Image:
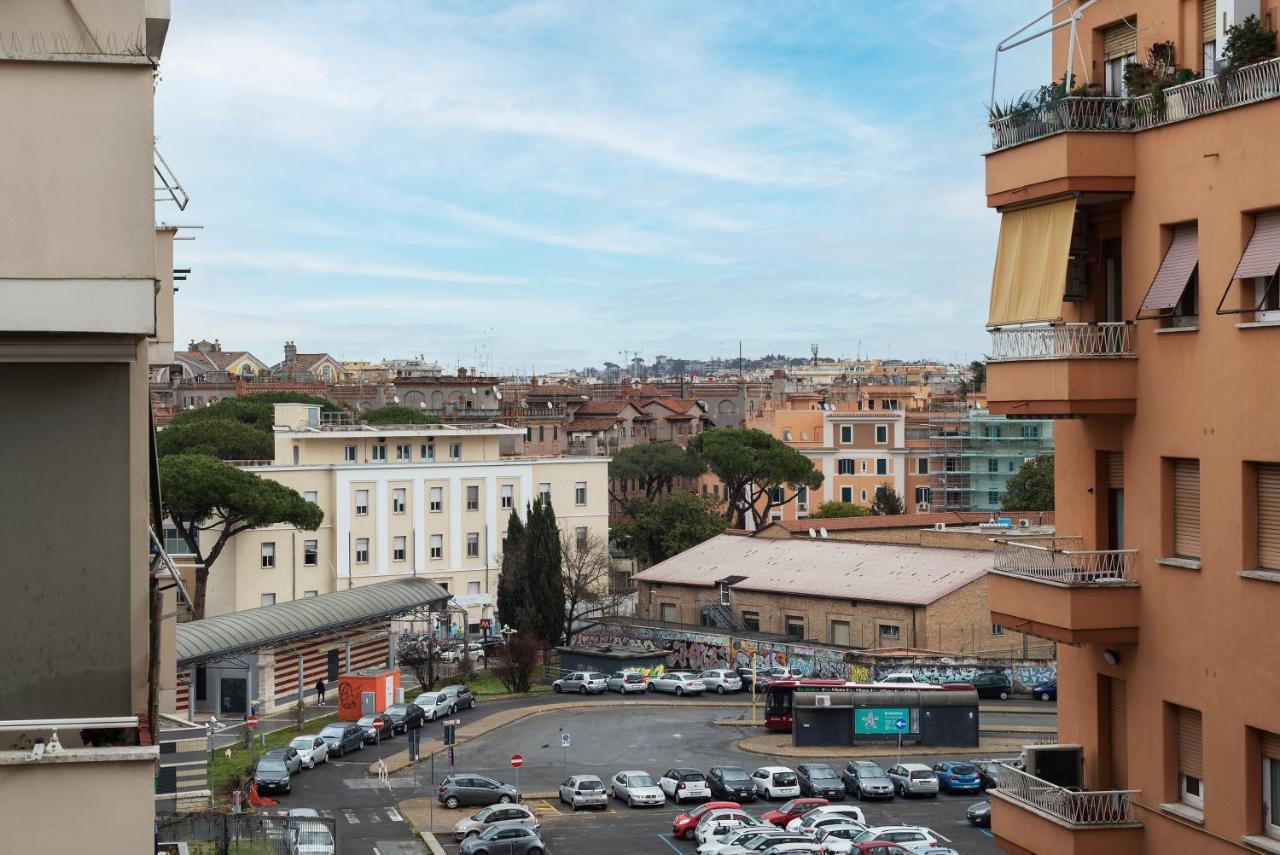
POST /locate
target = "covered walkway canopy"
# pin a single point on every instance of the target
(211, 639)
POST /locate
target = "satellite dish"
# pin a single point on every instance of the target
(822, 531)
(473, 390)
(497, 395)
(395, 399)
(812, 533)
(422, 405)
(548, 405)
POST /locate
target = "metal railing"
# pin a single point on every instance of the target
(1047, 560)
(1086, 808)
(1062, 341)
(1248, 85)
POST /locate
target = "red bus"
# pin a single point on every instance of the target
(779, 694)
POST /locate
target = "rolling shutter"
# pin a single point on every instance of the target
(1269, 516)
(1209, 20)
(1186, 508)
(1175, 270)
(1262, 256)
(1190, 745)
(1119, 734)
(1271, 745)
(1115, 470)
(1120, 40)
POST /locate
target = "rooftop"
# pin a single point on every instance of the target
(1037, 519)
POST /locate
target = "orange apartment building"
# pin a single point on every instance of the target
(1135, 298)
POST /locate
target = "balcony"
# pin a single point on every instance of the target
(1055, 590)
(1062, 370)
(1032, 815)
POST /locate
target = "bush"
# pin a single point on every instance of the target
(516, 661)
(1248, 42)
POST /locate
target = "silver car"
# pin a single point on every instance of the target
(914, 779)
(627, 682)
(678, 682)
(721, 680)
(582, 682)
(312, 749)
(485, 817)
(584, 791)
(637, 788)
(504, 839)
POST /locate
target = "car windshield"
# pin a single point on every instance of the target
(492, 831)
(270, 766)
(595, 676)
(871, 772)
(397, 709)
(921, 774)
(315, 838)
(690, 776)
(640, 781)
(333, 730)
(589, 785)
(365, 721)
(632, 678)
(821, 773)
(735, 775)
(963, 770)
(302, 743)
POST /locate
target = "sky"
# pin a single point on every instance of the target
(533, 186)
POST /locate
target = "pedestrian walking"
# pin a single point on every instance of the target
(320, 691)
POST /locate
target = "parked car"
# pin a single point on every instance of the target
(343, 737)
(460, 698)
(913, 779)
(957, 777)
(583, 791)
(764, 676)
(504, 840)
(373, 734)
(838, 838)
(626, 682)
(404, 718)
(776, 782)
(866, 780)
(582, 682)
(271, 775)
(813, 826)
(288, 755)
(637, 788)
(873, 847)
(738, 839)
(681, 785)
(992, 684)
(312, 749)
(485, 817)
(721, 680)
(677, 682)
(434, 705)
(819, 779)
(909, 837)
(819, 815)
(312, 838)
(454, 654)
(791, 848)
(793, 809)
(731, 782)
(1047, 691)
(471, 789)
(719, 824)
(683, 824)
(300, 816)
(754, 841)
(979, 814)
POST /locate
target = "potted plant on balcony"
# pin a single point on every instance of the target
(1248, 43)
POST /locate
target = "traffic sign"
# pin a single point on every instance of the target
(449, 734)
(484, 624)
(900, 725)
(516, 761)
(252, 722)
(377, 724)
(564, 740)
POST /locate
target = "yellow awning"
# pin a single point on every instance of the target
(1031, 264)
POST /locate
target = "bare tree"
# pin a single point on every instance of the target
(516, 662)
(584, 564)
(418, 654)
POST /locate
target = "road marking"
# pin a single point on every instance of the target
(674, 848)
(988, 833)
(394, 814)
(373, 817)
(350, 817)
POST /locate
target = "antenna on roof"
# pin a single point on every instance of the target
(823, 531)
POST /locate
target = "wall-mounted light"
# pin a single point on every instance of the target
(1111, 656)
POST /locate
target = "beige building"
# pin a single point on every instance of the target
(87, 294)
(407, 500)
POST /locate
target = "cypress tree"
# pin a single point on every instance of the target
(544, 607)
(511, 584)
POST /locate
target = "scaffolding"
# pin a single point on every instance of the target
(974, 453)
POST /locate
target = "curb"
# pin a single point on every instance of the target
(432, 844)
(851, 752)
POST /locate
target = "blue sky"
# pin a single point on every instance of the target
(559, 181)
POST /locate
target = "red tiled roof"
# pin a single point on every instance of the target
(913, 520)
(602, 407)
(601, 423)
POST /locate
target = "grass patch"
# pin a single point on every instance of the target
(241, 760)
(486, 685)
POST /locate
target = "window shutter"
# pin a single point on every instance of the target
(1186, 508)
(1269, 516)
(1209, 20)
(1271, 745)
(1190, 746)
(1115, 470)
(1120, 40)
(1119, 734)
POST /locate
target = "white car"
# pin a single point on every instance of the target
(434, 704)
(682, 784)
(312, 750)
(627, 682)
(677, 682)
(637, 787)
(734, 840)
(715, 827)
(311, 838)
(904, 679)
(749, 845)
(847, 813)
(837, 838)
(913, 837)
(721, 680)
(776, 782)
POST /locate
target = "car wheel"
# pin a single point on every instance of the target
(504, 799)
(341, 751)
(652, 688)
(630, 803)
(556, 688)
(1004, 696)
(679, 691)
(582, 690)
(451, 803)
(472, 705)
(1044, 696)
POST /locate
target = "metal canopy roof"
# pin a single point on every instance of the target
(243, 632)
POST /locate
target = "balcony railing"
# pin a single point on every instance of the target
(1248, 85)
(1047, 560)
(1091, 808)
(1062, 341)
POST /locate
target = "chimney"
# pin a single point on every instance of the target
(191, 345)
(462, 372)
(217, 346)
(290, 351)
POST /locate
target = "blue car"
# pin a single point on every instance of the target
(1046, 691)
(957, 777)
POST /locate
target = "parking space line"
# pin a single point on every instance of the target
(674, 848)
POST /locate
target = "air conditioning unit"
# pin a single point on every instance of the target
(1062, 765)
(822, 700)
(939, 526)
(1024, 523)
(922, 507)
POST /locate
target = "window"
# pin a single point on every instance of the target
(473, 544)
(1208, 37)
(268, 555)
(846, 434)
(455, 451)
(1013, 466)
(437, 546)
(1186, 509)
(1271, 784)
(1115, 75)
(786, 436)
(398, 500)
(1119, 48)
(993, 497)
(542, 433)
(473, 497)
(311, 496)
(1266, 298)
(310, 553)
(528, 434)
(1186, 313)
(398, 545)
(776, 495)
(427, 451)
(1268, 476)
(437, 499)
(362, 550)
(362, 502)
(889, 632)
(508, 496)
(1030, 431)
(923, 494)
(669, 613)
(795, 626)
(379, 453)
(863, 465)
(882, 466)
(844, 466)
(802, 498)
(404, 452)
(997, 629)
(846, 494)
(544, 493)
(473, 587)
(580, 538)
(1209, 57)
(993, 465)
(751, 621)
(307, 594)
(580, 493)
(882, 434)
(268, 599)
(864, 495)
(840, 632)
(922, 466)
(349, 454)
(1190, 757)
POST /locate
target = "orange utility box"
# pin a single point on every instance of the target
(366, 692)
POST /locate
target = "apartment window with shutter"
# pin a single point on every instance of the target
(398, 547)
(840, 632)
(1209, 36)
(268, 555)
(508, 493)
(844, 466)
(437, 499)
(544, 493)
(922, 466)
(882, 466)
(580, 493)
(922, 494)
(795, 626)
(1190, 741)
(473, 497)
(802, 498)
(473, 544)
(1186, 509)
(404, 451)
(1270, 784)
(846, 494)
(362, 502)
(846, 434)
(882, 434)
(993, 465)
(398, 500)
(362, 550)
(310, 553)
(1269, 518)
(268, 599)
(437, 546)
(427, 451)
(455, 451)
(997, 629)
(1119, 48)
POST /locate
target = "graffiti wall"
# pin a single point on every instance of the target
(1024, 675)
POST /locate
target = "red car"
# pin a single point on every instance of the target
(684, 824)
(783, 814)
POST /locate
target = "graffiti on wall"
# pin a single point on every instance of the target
(1023, 675)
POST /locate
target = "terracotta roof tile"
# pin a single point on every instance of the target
(912, 520)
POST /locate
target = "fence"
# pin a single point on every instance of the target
(1068, 566)
(211, 833)
(1094, 808)
(1062, 341)
(1033, 122)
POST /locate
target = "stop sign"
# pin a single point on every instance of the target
(516, 761)
(252, 722)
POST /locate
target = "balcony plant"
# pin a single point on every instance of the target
(1152, 77)
(1247, 43)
